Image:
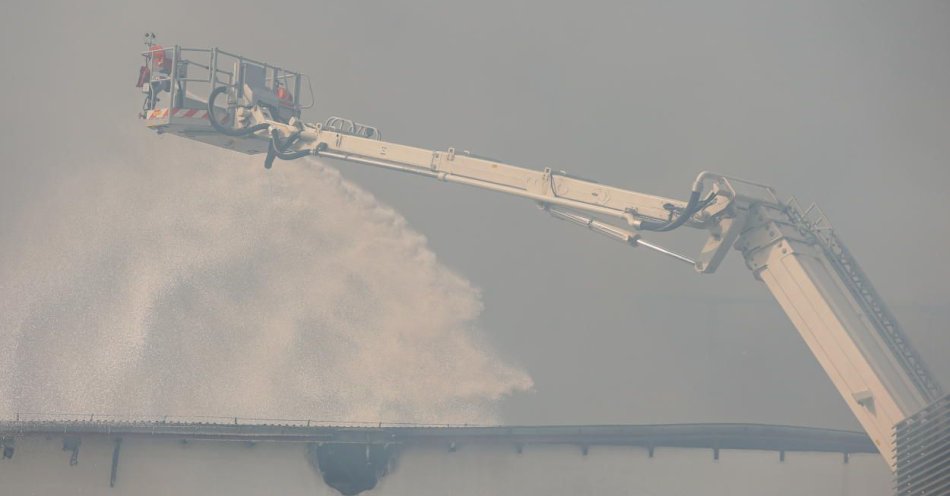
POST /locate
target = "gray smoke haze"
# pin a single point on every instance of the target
(844, 103)
(195, 285)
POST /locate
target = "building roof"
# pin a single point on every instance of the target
(713, 436)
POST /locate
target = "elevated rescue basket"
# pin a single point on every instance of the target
(177, 83)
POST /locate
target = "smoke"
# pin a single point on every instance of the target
(187, 281)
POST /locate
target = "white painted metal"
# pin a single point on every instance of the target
(865, 368)
(841, 337)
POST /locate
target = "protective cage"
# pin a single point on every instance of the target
(923, 452)
(176, 82)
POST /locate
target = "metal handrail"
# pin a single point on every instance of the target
(220, 61)
(245, 59)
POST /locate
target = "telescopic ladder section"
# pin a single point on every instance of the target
(840, 316)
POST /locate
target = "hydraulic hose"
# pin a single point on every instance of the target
(692, 206)
(226, 130)
(276, 149)
(294, 136)
(280, 147)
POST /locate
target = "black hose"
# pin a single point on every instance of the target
(276, 149)
(692, 206)
(226, 130)
(280, 147)
(271, 155)
(294, 136)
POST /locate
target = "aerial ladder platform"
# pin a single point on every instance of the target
(252, 107)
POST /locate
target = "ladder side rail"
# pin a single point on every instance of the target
(858, 283)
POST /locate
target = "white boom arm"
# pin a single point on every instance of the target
(795, 253)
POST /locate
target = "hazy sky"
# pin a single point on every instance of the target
(844, 103)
